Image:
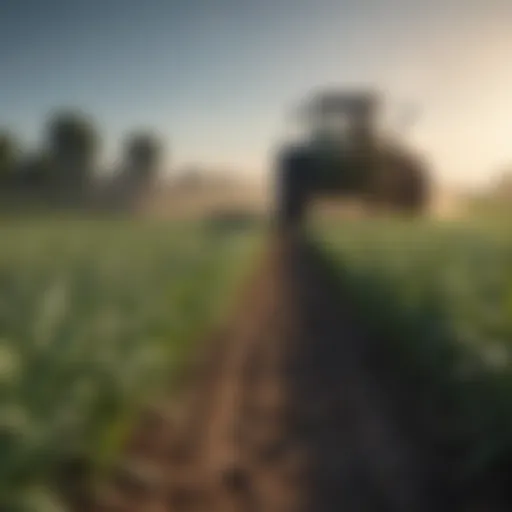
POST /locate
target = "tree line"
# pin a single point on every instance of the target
(65, 168)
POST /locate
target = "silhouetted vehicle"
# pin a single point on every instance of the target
(347, 153)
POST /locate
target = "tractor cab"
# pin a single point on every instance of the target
(347, 152)
(341, 119)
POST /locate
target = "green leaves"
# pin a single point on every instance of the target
(94, 317)
(442, 293)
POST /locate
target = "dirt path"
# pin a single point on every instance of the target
(293, 410)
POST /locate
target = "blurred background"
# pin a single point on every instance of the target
(126, 126)
(207, 88)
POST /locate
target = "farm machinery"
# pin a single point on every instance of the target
(347, 153)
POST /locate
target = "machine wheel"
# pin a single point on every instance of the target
(292, 192)
(401, 185)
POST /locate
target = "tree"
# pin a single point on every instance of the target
(36, 171)
(143, 154)
(9, 153)
(73, 144)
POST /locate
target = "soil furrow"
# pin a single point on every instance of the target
(291, 413)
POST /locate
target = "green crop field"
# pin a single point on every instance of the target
(441, 295)
(94, 317)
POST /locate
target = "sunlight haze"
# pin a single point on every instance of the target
(216, 78)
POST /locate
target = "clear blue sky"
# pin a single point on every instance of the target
(214, 77)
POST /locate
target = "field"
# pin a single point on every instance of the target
(440, 294)
(366, 364)
(95, 317)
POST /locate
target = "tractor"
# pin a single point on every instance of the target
(347, 153)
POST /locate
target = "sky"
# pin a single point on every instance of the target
(217, 78)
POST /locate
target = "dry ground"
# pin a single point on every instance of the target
(293, 408)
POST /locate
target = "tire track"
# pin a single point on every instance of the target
(289, 413)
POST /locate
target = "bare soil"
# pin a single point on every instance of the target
(293, 408)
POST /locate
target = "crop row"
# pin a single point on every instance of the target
(94, 318)
(441, 296)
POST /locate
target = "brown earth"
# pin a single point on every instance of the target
(293, 408)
